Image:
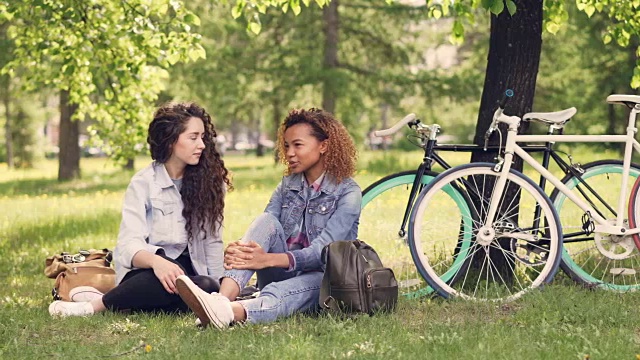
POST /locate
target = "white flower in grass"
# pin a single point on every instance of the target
(125, 327)
(366, 347)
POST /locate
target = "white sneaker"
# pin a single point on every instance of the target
(84, 294)
(209, 308)
(67, 308)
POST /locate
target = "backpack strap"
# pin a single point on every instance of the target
(331, 304)
(325, 298)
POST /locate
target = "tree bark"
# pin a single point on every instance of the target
(277, 118)
(514, 57)
(384, 116)
(7, 126)
(129, 165)
(259, 146)
(513, 60)
(331, 25)
(69, 156)
(611, 123)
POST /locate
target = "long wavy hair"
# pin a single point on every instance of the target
(203, 185)
(341, 156)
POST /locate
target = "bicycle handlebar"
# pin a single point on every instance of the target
(508, 94)
(395, 128)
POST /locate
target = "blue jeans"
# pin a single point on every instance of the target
(282, 293)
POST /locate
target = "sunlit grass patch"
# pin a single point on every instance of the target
(558, 322)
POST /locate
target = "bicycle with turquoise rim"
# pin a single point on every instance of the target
(597, 218)
(388, 203)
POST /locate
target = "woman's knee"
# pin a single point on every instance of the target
(264, 229)
(268, 221)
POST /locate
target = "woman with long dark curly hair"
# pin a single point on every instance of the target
(316, 203)
(171, 220)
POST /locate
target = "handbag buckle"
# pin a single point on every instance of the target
(54, 293)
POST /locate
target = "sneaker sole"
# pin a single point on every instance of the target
(84, 293)
(52, 309)
(187, 291)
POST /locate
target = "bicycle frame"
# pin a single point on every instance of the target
(431, 145)
(512, 147)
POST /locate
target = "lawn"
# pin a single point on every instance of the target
(40, 216)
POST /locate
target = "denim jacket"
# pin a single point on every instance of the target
(331, 214)
(152, 220)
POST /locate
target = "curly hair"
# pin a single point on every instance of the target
(204, 184)
(341, 156)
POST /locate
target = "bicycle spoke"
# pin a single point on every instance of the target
(487, 266)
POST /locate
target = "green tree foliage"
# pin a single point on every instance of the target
(247, 77)
(624, 27)
(578, 69)
(23, 131)
(110, 56)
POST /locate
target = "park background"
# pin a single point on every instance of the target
(79, 84)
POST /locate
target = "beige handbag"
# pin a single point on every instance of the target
(86, 268)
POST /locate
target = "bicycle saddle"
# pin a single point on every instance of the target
(557, 118)
(629, 100)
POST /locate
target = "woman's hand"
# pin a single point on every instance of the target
(166, 272)
(245, 256)
(236, 254)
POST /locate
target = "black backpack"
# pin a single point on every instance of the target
(355, 279)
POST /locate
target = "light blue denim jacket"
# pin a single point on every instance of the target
(331, 214)
(152, 219)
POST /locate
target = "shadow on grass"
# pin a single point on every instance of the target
(267, 176)
(25, 243)
(86, 185)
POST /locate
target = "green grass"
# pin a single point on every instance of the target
(40, 216)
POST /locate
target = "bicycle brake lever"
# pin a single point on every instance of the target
(414, 123)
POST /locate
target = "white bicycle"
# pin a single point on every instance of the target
(508, 238)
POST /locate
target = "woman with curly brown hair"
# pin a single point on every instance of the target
(316, 203)
(171, 220)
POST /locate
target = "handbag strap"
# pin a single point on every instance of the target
(331, 304)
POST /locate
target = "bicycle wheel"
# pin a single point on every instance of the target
(383, 206)
(633, 211)
(461, 256)
(589, 258)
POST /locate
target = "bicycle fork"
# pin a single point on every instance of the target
(486, 233)
(416, 187)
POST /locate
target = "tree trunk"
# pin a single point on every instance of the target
(514, 56)
(69, 156)
(259, 146)
(330, 28)
(277, 115)
(7, 125)
(384, 116)
(235, 130)
(611, 124)
(129, 165)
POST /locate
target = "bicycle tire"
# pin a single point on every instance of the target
(383, 206)
(633, 211)
(592, 259)
(439, 237)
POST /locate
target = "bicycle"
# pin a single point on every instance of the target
(390, 194)
(494, 222)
